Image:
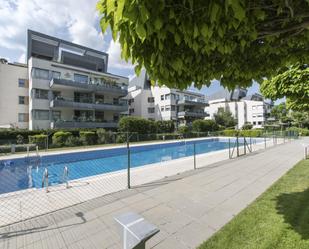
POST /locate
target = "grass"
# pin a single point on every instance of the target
(279, 218)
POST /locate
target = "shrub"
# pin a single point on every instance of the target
(251, 133)
(229, 133)
(72, 141)
(39, 140)
(165, 126)
(59, 138)
(204, 125)
(105, 137)
(247, 126)
(20, 139)
(88, 137)
(183, 129)
(136, 124)
(300, 131)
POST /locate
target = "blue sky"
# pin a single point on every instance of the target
(72, 20)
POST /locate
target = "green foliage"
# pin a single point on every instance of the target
(300, 131)
(88, 137)
(59, 138)
(247, 126)
(292, 84)
(235, 41)
(20, 139)
(165, 126)
(105, 137)
(225, 118)
(230, 133)
(204, 125)
(39, 140)
(72, 141)
(183, 130)
(242, 133)
(138, 125)
(300, 119)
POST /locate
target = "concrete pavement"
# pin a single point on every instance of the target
(188, 208)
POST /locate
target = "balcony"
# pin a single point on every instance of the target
(192, 102)
(192, 114)
(91, 87)
(83, 124)
(70, 103)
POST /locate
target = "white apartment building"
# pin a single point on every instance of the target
(69, 87)
(245, 108)
(14, 99)
(163, 103)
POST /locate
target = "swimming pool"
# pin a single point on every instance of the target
(24, 173)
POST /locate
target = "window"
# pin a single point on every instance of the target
(254, 123)
(173, 108)
(55, 75)
(23, 117)
(151, 110)
(40, 94)
(81, 78)
(131, 101)
(116, 101)
(56, 95)
(39, 73)
(56, 115)
(260, 122)
(116, 118)
(131, 110)
(21, 100)
(150, 99)
(22, 82)
(167, 108)
(41, 115)
(99, 116)
(167, 97)
(162, 97)
(162, 108)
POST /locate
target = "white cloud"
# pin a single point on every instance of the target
(114, 59)
(72, 20)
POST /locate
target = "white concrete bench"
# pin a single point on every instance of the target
(135, 230)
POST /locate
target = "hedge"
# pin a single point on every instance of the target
(204, 125)
(59, 138)
(300, 131)
(88, 137)
(39, 140)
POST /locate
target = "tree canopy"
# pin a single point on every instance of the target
(185, 41)
(225, 118)
(293, 84)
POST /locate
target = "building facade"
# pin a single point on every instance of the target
(14, 99)
(69, 86)
(252, 109)
(163, 103)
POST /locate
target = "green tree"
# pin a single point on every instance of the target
(225, 118)
(280, 112)
(136, 124)
(165, 126)
(292, 84)
(180, 42)
(204, 125)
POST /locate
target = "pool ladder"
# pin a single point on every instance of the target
(65, 178)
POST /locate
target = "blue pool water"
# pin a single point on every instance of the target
(21, 174)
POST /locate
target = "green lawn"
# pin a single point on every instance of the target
(277, 219)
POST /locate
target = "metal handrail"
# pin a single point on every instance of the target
(45, 179)
(65, 176)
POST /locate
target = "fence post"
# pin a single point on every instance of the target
(264, 141)
(251, 144)
(129, 160)
(194, 155)
(245, 151)
(229, 148)
(237, 145)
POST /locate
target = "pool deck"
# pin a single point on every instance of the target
(188, 208)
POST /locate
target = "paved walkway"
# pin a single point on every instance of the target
(188, 208)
